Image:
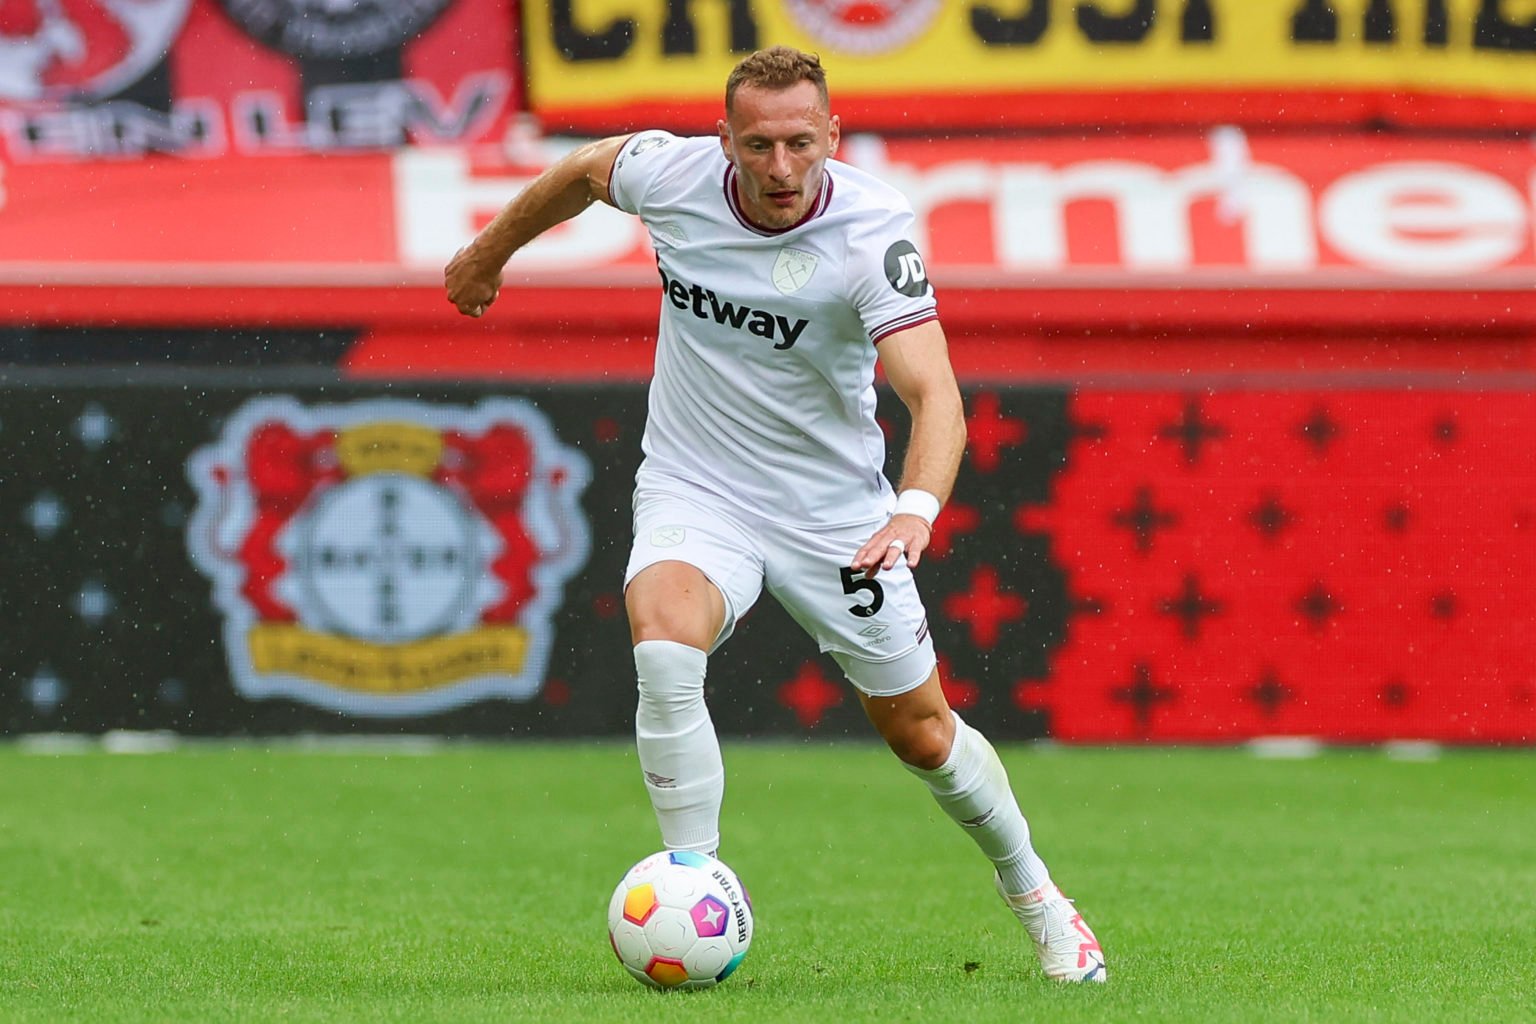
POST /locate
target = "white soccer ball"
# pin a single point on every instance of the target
(680, 919)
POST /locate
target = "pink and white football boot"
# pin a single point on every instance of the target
(1063, 941)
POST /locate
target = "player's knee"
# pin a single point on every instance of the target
(923, 742)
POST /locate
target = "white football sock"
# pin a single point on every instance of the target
(679, 753)
(972, 787)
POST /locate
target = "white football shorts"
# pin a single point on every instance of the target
(875, 629)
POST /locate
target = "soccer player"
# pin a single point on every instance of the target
(784, 276)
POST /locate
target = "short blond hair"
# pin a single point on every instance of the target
(777, 67)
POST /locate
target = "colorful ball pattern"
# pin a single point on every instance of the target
(680, 919)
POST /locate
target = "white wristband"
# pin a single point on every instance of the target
(913, 502)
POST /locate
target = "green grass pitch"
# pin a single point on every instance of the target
(215, 884)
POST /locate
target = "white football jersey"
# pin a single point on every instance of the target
(764, 385)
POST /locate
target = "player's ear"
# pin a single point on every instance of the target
(834, 134)
(724, 129)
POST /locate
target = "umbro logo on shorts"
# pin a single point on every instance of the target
(706, 305)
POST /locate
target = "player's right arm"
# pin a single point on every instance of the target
(473, 277)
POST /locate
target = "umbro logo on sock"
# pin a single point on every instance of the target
(660, 781)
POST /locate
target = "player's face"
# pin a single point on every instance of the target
(779, 140)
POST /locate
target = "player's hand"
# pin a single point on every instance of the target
(905, 536)
(472, 282)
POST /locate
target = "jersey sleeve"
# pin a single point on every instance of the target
(888, 281)
(640, 165)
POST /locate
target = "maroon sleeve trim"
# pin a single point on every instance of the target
(891, 327)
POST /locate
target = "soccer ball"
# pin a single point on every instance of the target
(680, 919)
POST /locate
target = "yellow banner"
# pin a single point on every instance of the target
(586, 54)
(387, 668)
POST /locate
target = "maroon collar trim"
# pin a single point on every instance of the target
(823, 200)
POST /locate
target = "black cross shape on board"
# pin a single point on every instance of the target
(1191, 606)
(1394, 693)
(1143, 695)
(1143, 518)
(1318, 605)
(1319, 430)
(1192, 430)
(1269, 692)
(1271, 518)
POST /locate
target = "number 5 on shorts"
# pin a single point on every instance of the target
(855, 581)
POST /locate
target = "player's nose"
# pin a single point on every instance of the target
(779, 165)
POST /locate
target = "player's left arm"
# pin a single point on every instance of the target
(916, 362)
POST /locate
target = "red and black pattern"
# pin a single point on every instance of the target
(1353, 566)
(1210, 567)
(1164, 565)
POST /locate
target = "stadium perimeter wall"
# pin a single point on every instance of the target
(278, 547)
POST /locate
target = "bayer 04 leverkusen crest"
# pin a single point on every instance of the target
(384, 557)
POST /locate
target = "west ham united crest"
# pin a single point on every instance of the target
(792, 270)
(388, 558)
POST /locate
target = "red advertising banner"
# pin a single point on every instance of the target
(104, 78)
(1310, 223)
(1353, 565)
